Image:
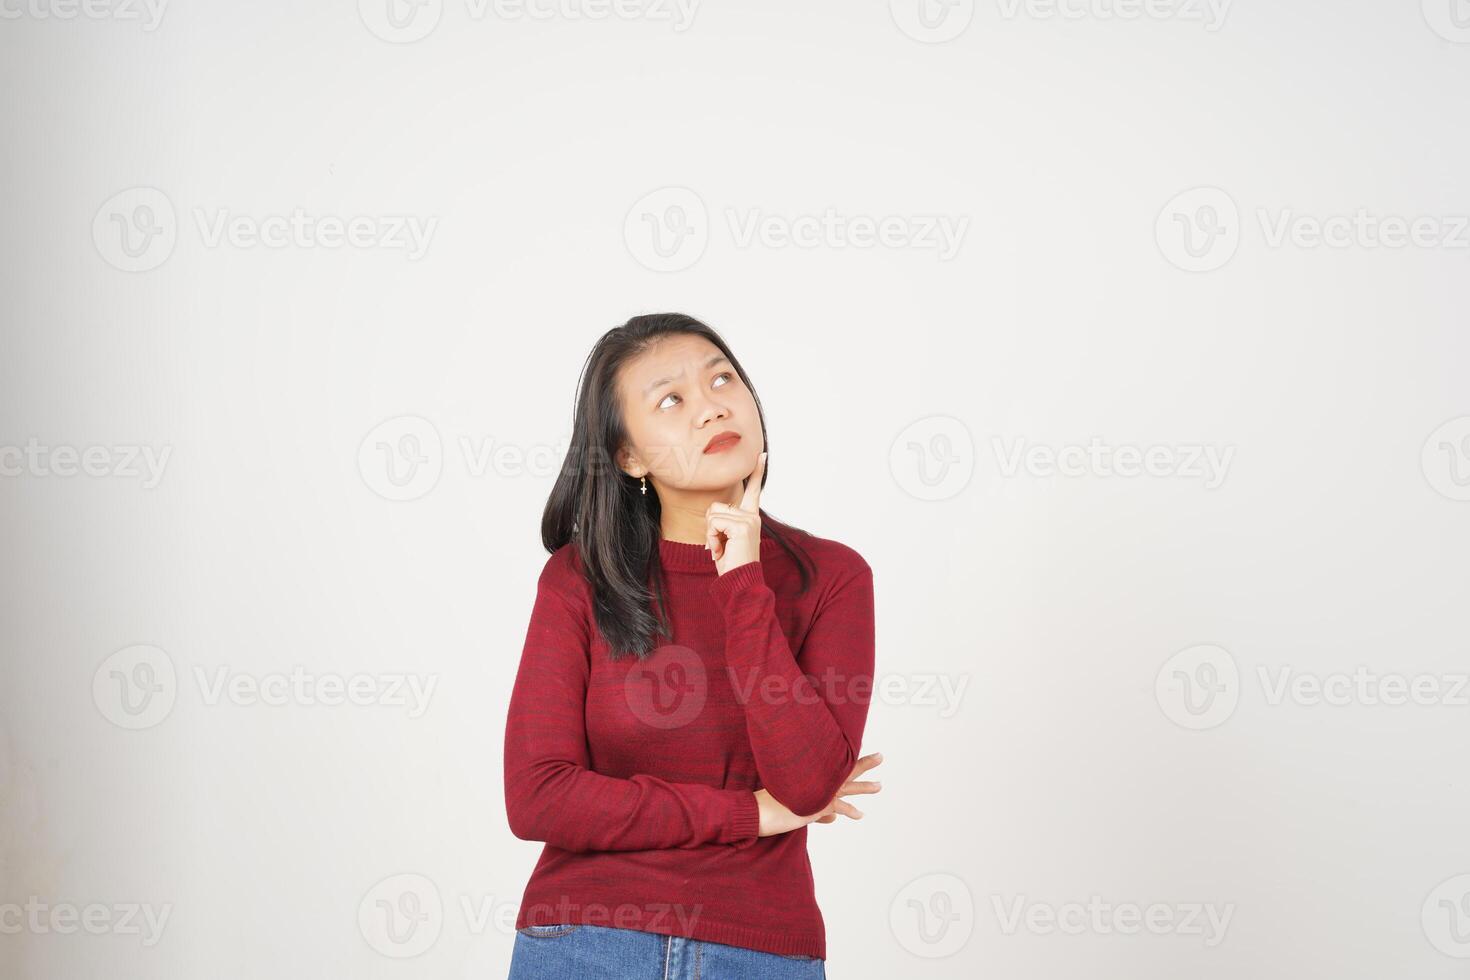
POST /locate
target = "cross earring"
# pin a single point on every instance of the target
(645, 484)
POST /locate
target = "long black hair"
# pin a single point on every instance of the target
(601, 508)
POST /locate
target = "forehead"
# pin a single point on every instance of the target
(670, 357)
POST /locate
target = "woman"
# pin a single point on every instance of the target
(693, 688)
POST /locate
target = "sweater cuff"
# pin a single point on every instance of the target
(745, 824)
(737, 579)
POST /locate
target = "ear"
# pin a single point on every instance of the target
(626, 462)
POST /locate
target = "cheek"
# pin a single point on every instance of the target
(668, 451)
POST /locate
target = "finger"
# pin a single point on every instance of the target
(720, 507)
(741, 526)
(751, 499)
(865, 763)
(848, 810)
(829, 818)
(731, 518)
(849, 788)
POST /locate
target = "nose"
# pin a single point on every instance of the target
(711, 410)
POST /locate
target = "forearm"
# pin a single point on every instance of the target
(576, 809)
(805, 737)
(551, 792)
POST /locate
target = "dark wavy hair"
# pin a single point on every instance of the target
(601, 508)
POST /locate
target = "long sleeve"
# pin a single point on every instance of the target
(550, 793)
(806, 738)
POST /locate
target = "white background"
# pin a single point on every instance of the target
(1070, 767)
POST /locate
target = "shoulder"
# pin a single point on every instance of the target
(562, 574)
(837, 563)
(832, 555)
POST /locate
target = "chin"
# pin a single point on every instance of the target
(731, 459)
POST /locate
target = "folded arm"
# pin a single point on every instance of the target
(552, 795)
(806, 737)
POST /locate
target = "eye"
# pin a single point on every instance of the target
(722, 374)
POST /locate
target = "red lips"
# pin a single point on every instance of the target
(722, 440)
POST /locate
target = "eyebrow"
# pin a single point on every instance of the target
(716, 359)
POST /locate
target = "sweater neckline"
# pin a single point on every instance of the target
(685, 557)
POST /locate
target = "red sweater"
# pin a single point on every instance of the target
(640, 776)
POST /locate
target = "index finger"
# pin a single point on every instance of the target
(865, 763)
(751, 501)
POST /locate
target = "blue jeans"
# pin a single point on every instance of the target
(580, 951)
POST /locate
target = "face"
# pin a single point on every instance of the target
(676, 396)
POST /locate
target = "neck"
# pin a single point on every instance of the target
(681, 556)
(682, 517)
